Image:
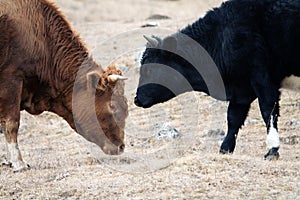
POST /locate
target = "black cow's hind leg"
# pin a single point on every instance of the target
(268, 98)
(270, 115)
(236, 116)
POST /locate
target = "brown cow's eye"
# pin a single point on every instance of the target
(113, 107)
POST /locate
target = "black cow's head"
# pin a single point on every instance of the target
(161, 73)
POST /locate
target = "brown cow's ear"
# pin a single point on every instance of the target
(93, 79)
(103, 81)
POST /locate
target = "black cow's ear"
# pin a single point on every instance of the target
(152, 41)
(170, 44)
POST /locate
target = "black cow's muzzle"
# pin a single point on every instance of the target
(143, 104)
(137, 102)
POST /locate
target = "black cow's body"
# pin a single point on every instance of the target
(255, 45)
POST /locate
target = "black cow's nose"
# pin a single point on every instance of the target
(137, 102)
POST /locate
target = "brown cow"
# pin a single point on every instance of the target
(44, 66)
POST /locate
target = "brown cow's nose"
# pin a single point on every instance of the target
(112, 149)
(121, 148)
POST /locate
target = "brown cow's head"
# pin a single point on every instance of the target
(104, 125)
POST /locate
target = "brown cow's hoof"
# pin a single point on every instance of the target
(5, 162)
(17, 167)
(21, 168)
(273, 154)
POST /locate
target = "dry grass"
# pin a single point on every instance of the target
(65, 166)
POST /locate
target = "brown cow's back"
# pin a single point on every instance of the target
(6, 35)
(28, 22)
(44, 36)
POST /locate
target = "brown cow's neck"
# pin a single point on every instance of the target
(62, 104)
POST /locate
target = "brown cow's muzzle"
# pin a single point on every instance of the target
(112, 149)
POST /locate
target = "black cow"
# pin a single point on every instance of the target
(253, 44)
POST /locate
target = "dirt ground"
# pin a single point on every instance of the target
(156, 165)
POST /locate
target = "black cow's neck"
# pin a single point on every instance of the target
(199, 84)
(209, 61)
(204, 31)
(207, 64)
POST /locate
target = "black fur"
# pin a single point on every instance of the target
(255, 44)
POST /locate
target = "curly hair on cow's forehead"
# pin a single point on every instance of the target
(106, 85)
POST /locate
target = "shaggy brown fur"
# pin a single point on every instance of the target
(44, 66)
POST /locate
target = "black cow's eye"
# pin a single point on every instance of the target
(146, 71)
(145, 55)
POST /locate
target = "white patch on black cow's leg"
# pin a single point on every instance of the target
(273, 136)
(15, 158)
(272, 142)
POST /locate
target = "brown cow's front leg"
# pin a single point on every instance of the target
(13, 157)
(10, 99)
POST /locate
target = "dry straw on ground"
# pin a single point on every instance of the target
(65, 166)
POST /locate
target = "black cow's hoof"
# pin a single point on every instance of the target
(222, 151)
(227, 148)
(273, 154)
